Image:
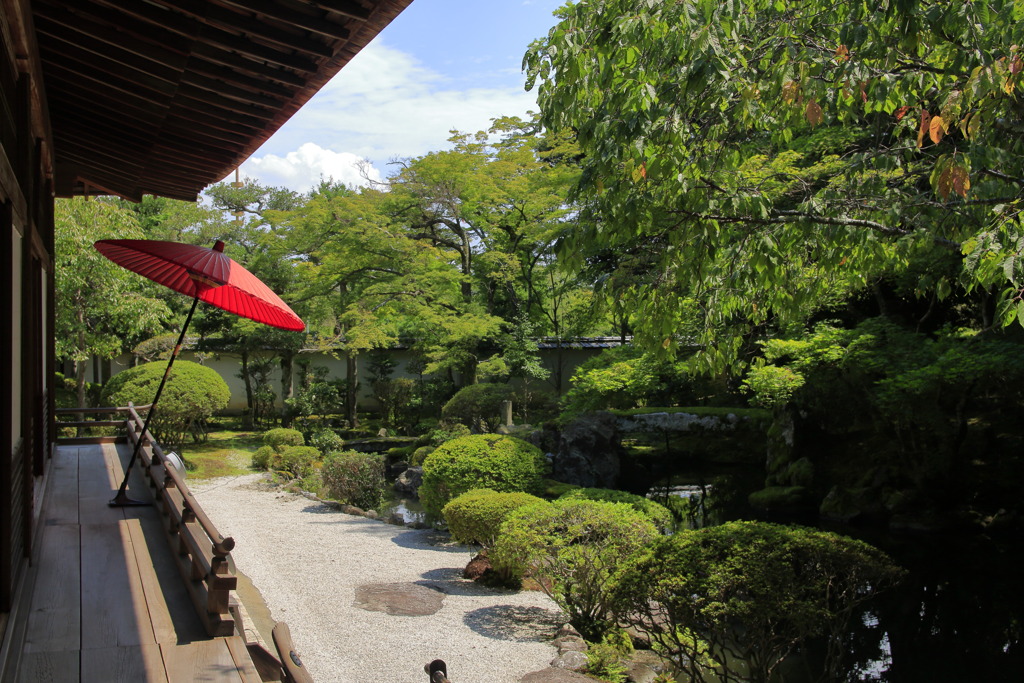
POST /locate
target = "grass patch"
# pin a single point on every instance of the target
(226, 453)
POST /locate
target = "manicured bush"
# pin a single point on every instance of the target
(447, 432)
(298, 461)
(478, 402)
(419, 455)
(573, 548)
(192, 395)
(281, 437)
(502, 463)
(656, 512)
(731, 601)
(326, 441)
(261, 458)
(354, 479)
(476, 516)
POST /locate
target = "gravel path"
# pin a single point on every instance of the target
(308, 561)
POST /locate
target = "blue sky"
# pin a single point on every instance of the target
(442, 64)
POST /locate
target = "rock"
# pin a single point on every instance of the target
(409, 482)
(800, 473)
(644, 666)
(570, 644)
(397, 518)
(352, 510)
(779, 498)
(396, 469)
(371, 514)
(567, 630)
(839, 506)
(502, 429)
(399, 599)
(383, 432)
(555, 675)
(589, 451)
(571, 660)
(476, 568)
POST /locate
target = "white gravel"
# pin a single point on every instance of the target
(307, 561)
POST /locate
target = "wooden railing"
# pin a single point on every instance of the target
(82, 425)
(202, 552)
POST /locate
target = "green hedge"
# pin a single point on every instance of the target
(298, 461)
(476, 516)
(573, 547)
(282, 436)
(355, 479)
(778, 586)
(656, 512)
(192, 394)
(477, 402)
(494, 461)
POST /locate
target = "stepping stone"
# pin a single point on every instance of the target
(399, 599)
(553, 674)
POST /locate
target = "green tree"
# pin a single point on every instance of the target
(101, 307)
(748, 162)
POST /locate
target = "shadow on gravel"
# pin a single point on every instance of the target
(515, 623)
(449, 580)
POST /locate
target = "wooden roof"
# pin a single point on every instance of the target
(166, 97)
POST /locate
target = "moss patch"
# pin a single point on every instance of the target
(225, 454)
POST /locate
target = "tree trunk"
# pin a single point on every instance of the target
(247, 418)
(352, 390)
(287, 388)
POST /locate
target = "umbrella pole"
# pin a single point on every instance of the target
(122, 499)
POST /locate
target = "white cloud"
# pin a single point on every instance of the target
(302, 169)
(383, 105)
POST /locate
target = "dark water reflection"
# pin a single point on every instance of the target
(958, 616)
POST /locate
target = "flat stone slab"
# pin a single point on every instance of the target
(553, 674)
(399, 599)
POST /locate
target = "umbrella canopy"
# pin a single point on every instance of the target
(206, 273)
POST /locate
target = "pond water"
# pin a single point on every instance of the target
(957, 617)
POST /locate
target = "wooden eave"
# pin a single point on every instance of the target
(166, 97)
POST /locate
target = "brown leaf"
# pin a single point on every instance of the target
(842, 53)
(901, 112)
(923, 130)
(945, 183)
(864, 90)
(961, 180)
(790, 92)
(936, 129)
(813, 113)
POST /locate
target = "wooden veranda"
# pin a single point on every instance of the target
(134, 593)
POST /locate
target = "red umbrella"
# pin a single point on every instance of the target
(204, 274)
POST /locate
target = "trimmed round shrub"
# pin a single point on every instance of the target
(739, 597)
(573, 547)
(419, 455)
(656, 512)
(326, 441)
(494, 461)
(354, 478)
(282, 436)
(477, 402)
(297, 461)
(476, 516)
(261, 458)
(192, 395)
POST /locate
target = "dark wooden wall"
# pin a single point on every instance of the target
(26, 299)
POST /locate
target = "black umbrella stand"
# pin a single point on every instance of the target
(122, 499)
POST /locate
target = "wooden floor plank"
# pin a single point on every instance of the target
(112, 595)
(138, 664)
(243, 662)
(55, 618)
(206, 660)
(156, 603)
(98, 478)
(49, 667)
(62, 495)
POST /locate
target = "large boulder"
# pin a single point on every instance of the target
(409, 481)
(589, 452)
